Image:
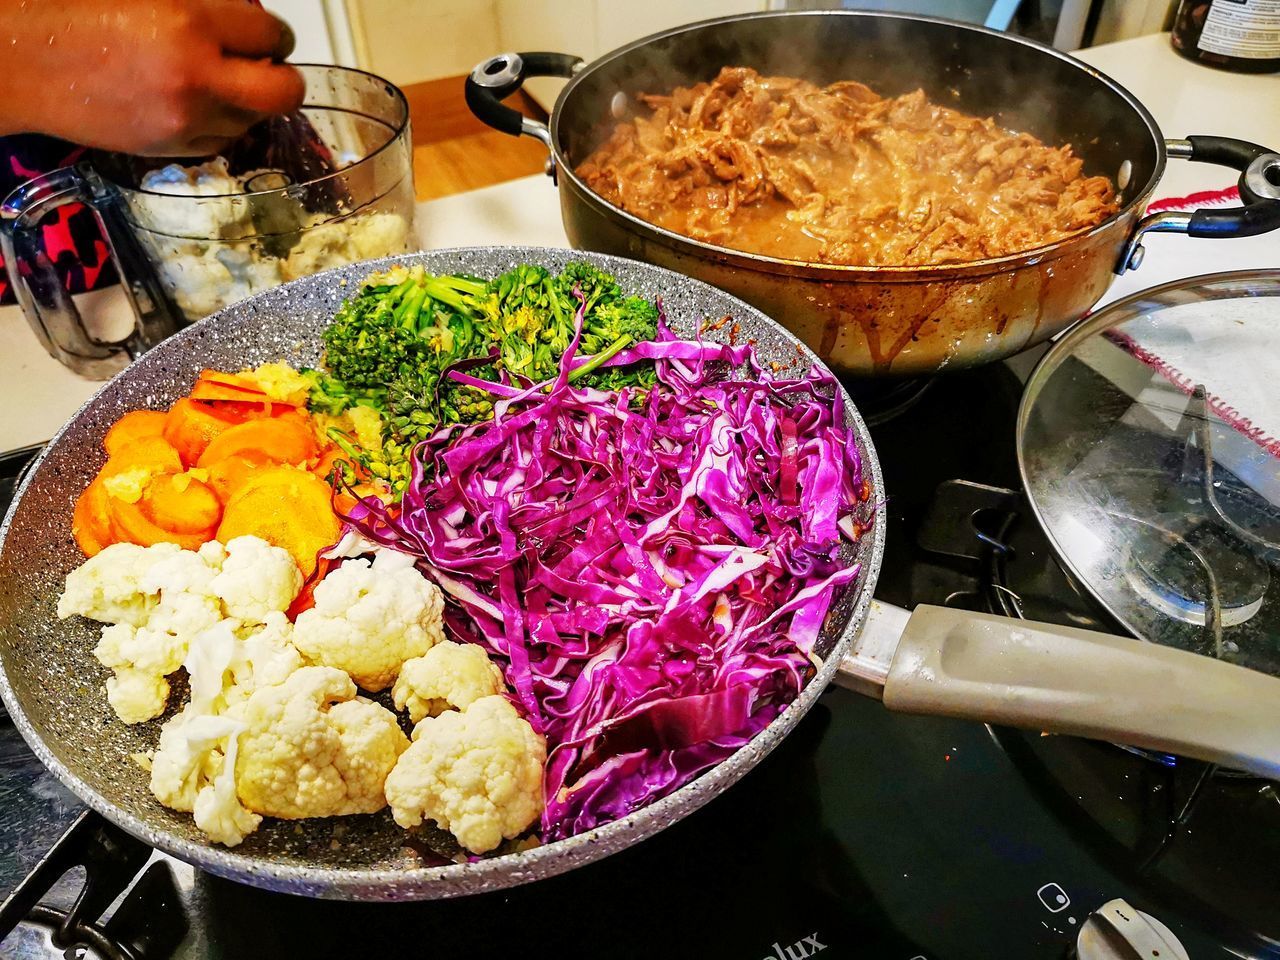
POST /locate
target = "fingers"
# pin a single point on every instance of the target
(249, 31)
(258, 87)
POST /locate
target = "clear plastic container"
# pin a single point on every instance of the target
(323, 188)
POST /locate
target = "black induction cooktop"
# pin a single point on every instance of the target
(865, 834)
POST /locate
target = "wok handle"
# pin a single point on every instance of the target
(1259, 187)
(1079, 682)
(497, 78)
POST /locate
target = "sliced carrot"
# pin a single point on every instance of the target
(191, 426)
(133, 426)
(228, 474)
(329, 458)
(91, 521)
(181, 504)
(278, 439)
(306, 598)
(287, 507)
(130, 524)
(154, 453)
(208, 391)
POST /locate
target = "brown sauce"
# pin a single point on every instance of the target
(838, 174)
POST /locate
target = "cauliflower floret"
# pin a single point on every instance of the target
(369, 619)
(183, 571)
(193, 770)
(318, 248)
(108, 586)
(377, 235)
(449, 675)
(185, 760)
(265, 657)
(251, 271)
(156, 598)
(218, 811)
(256, 580)
(140, 661)
(478, 774)
(312, 750)
(227, 216)
(198, 282)
(194, 767)
(229, 661)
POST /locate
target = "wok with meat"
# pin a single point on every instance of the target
(838, 174)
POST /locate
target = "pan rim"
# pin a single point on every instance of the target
(849, 272)
(438, 882)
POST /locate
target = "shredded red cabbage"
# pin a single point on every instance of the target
(652, 573)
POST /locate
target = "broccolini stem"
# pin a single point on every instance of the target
(407, 312)
(451, 291)
(608, 353)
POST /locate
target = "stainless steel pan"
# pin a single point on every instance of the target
(889, 321)
(945, 663)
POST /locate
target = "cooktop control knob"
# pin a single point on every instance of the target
(1116, 931)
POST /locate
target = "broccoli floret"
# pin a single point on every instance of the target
(594, 285)
(330, 395)
(635, 317)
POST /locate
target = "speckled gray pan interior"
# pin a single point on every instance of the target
(54, 688)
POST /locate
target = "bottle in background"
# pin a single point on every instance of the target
(1239, 35)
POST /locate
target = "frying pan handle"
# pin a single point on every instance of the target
(1065, 680)
(497, 78)
(1259, 187)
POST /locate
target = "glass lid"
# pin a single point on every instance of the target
(1149, 443)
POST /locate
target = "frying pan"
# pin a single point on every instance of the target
(889, 321)
(945, 662)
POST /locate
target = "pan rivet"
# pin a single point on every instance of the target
(1126, 171)
(1136, 256)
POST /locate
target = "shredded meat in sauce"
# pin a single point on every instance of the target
(838, 174)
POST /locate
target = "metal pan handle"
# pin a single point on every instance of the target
(1259, 186)
(497, 78)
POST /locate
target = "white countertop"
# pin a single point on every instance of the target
(1184, 97)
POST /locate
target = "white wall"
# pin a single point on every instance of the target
(408, 41)
(590, 28)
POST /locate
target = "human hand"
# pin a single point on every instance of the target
(147, 77)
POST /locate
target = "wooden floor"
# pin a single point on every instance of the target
(454, 152)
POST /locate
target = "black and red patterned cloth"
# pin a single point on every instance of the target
(72, 239)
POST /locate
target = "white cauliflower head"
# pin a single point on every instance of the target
(265, 657)
(193, 770)
(225, 216)
(140, 663)
(310, 749)
(377, 235)
(477, 773)
(142, 657)
(368, 619)
(256, 580)
(108, 586)
(448, 676)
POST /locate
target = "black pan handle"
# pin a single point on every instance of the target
(1259, 186)
(499, 77)
(1260, 192)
